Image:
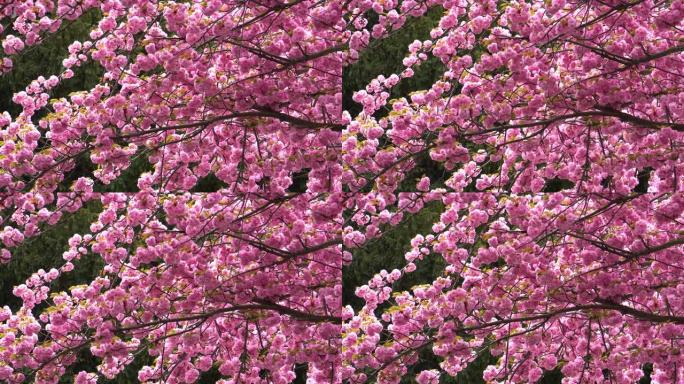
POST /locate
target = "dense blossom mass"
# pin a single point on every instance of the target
(584, 97)
(554, 141)
(245, 281)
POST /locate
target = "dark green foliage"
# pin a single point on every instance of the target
(45, 60)
(301, 371)
(128, 180)
(388, 253)
(648, 369)
(551, 377)
(209, 183)
(557, 185)
(644, 176)
(87, 362)
(299, 181)
(385, 58)
(425, 166)
(45, 251)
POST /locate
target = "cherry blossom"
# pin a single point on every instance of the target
(535, 97)
(245, 280)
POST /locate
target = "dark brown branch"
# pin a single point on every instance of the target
(602, 111)
(295, 121)
(264, 305)
(640, 315)
(609, 111)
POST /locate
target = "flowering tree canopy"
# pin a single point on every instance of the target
(553, 140)
(246, 279)
(552, 143)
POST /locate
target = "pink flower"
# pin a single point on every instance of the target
(424, 184)
(85, 378)
(428, 377)
(12, 45)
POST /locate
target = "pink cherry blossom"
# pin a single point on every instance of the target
(534, 97)
(247, 278)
